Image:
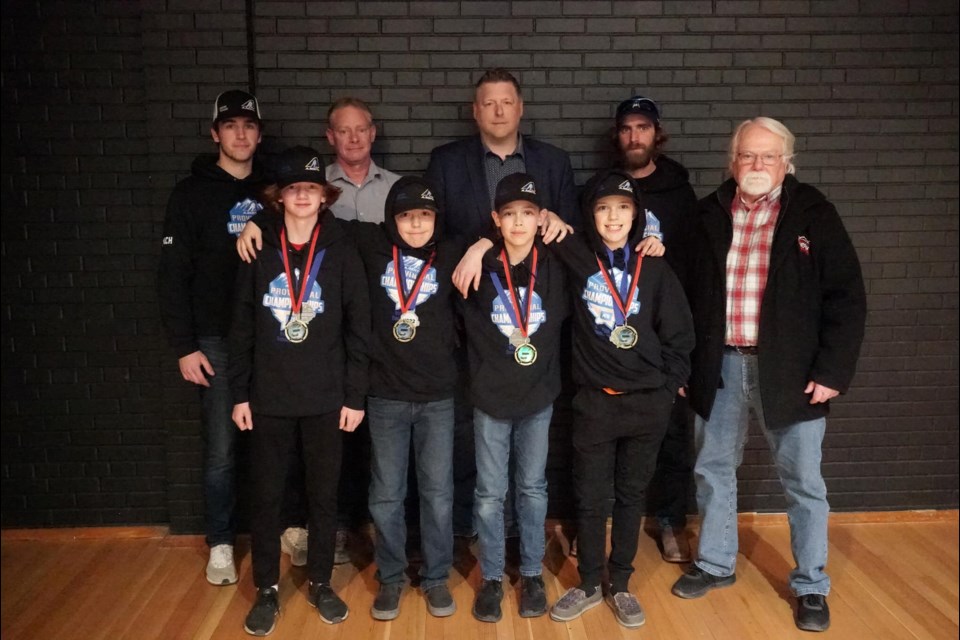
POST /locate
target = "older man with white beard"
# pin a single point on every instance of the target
(779, 308)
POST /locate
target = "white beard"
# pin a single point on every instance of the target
(756, 183)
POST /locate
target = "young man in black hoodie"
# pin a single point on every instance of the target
(205, 214)
(298, 372)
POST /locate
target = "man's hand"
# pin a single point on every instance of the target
(470, 267)
(819, 393)
(350, 418)
(249, 242)
(242, 416)
(553, 227)
(651, 246)
(192, 367)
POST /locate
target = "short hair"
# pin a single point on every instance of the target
(499, 75)
(270, 197)
(771, 125)
(347, 101)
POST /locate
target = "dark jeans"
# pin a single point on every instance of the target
(219, 446)
(670, 486)
(274, 444)
(615, 440)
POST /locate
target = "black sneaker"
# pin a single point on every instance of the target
(331, 608)
(813, 614)
(486, 607)
(440, 603)
(386, 606)
(696, 583)
(533, 599)
(263, 615)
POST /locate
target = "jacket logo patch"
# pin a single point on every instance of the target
(240, 213)
(804, 245)
(313, 165)
(529, 188)
(426, 195)
(167, 241)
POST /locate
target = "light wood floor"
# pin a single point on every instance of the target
(894, 576)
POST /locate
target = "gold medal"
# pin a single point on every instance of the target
(296, 331)
(624, 336)
(525, 354)
(404, 330)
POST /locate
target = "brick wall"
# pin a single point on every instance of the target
(106, 103)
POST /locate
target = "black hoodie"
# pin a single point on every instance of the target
(661, 316)
(198, 257)
(326, 371)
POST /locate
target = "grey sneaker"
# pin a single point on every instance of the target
(293, 542)
(341, 555)
(627, 609)
(574, 602)
(440, 603)
(263, 615)
(220, 567)
(386, 606)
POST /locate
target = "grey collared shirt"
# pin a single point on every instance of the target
(364, 202)
(497, 169)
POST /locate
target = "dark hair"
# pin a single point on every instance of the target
(348, 101)
(499, 75)
(270, 197)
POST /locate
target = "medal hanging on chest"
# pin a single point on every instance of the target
(296, 330)
(623, 336)
(405, 329)
(524, 353)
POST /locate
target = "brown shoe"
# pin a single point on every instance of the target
(673, 545)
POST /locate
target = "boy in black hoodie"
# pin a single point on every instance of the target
(513, 337)
(298, 372)
(633, 334)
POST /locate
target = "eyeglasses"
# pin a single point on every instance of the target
(768, 159)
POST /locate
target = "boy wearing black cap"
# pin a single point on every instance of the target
(205, 214)
(298, 372)
(513, 336)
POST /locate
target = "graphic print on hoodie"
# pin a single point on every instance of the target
(597, 296)
(411, 269)
(277, 297)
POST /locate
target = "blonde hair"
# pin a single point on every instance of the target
(773, 126)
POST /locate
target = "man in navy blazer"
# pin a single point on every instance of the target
(466, 172)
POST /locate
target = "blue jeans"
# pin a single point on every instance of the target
(393, 424)
(220, 443)
(796, 452)
(528, 437)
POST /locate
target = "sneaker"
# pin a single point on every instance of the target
(440, 603)
(486, 607)
(341, 555)
(813, 614)
(574, 602)
(696, 582)
(331, 608)
(627, 609)
(386, 606)
(673, 545)
(533, 599)
(220, 567)
(263, 615)
(293, 542)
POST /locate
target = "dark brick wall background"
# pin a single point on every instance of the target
(105, 103)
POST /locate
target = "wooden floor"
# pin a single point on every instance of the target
(894, 576)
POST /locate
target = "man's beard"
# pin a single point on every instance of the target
(756, 183)
(637, 158)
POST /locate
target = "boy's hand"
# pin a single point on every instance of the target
(350, 419)
(249, 242)
(470, 267)
(554, 228)
(192, 367)
(651, 246)
(242, 417)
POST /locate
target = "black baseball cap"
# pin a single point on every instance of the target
(299, 164)
(614, 183)
(411, 193)
(235, 104)
(516, 186)
(641, 105)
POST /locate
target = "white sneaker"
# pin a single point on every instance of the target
(220, 567)
(293, 542)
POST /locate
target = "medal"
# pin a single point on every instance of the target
(296, 331)
(524, 353)
(405, 329)
(300, 314)
(307, 313)
(623, 336)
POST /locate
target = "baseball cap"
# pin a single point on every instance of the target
(299, 164)
(411, 193)
(638, 104)
(516, 186)
(614, 184)
(234, 104)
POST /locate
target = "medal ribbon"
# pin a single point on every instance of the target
(408, 302)
(296, 301)
(622, 298)
(514, 306)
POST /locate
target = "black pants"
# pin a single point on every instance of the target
(274, 445)
(615, 441)
(670, 486)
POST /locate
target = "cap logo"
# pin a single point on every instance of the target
(248, 106)
(222, 108)
(426, 195)
(529, 188)
(313, 165)
(625, 186)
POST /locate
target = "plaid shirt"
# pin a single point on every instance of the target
(748, 263)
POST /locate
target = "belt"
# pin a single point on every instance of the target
(744, 351)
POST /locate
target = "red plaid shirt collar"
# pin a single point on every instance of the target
(748, 264)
